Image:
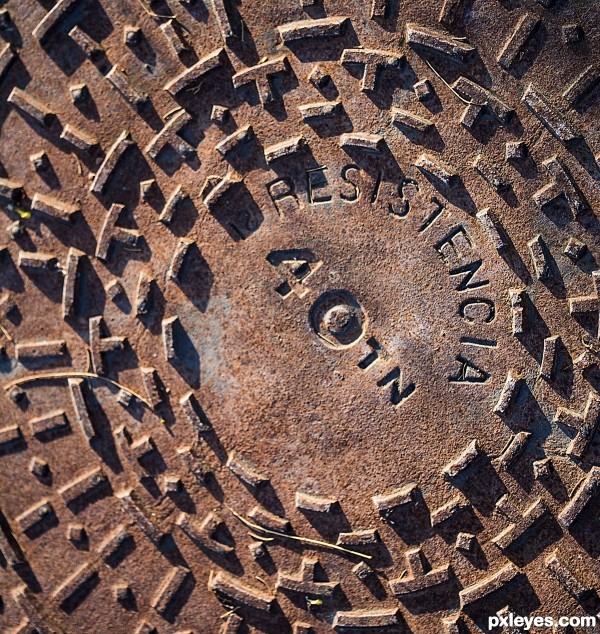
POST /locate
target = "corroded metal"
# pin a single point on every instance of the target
(299, 315)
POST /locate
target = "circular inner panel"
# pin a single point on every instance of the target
(299, 316)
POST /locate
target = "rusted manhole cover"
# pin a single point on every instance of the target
(299, 315)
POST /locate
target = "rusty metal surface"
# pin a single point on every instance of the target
(299, 315)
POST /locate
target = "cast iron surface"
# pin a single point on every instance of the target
(299, 314)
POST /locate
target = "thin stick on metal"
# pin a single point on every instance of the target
(467, 101)
(303, 540)
(5, 333)
(152, 13)
(75, 375)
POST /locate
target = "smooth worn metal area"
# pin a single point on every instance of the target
(299, 315)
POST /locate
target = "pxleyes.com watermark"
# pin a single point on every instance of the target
(508, 619)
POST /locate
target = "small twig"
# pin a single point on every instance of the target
(153, 14)
(172, 112)
(197, 89)
(90, 365)
(303, 540)
(79, 168)
(263, 582)
(467, 101)
(331, 343)
(5, 333)
(227, 614)
(261, 538)
(75, 375)
(576, 486)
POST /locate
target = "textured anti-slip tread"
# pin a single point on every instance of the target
(299, 315)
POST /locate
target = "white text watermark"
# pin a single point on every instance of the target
(527, 622)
